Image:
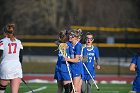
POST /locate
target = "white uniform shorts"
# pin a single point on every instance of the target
(10, 70)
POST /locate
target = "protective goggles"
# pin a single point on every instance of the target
(73, 35)
(91, 39)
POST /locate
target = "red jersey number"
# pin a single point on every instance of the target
(12, 48)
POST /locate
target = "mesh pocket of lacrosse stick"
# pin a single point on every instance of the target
(62, 47)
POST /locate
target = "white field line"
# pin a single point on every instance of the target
(114, 87)
(26, 87)
(109, 91)
(38, 89)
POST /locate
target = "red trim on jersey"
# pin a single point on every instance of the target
(1, 44)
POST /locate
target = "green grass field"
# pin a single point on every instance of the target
(49, 68)
(51, 88)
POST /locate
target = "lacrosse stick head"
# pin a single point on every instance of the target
(62, 47)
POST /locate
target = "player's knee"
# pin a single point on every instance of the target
(2, 88)
(68, 88)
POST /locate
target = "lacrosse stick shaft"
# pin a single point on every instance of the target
(27, 85)
(70, 77)
(91, 77)
(62, 48)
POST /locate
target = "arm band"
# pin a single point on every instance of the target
(21, 56)
(1, 52)
(98, 61)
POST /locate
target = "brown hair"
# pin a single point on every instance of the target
(62, 36)
(9, 30)
(88, 33)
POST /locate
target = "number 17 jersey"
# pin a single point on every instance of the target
(10, 49)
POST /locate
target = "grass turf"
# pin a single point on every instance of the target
(52, 88)
(49, 68)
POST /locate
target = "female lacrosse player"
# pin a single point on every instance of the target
(90, 54)
(11, 56)
(61, 70)
(74, 58)
(135, 66)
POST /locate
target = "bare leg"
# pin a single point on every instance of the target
(80, 86)
(15, 83)
(76, 81)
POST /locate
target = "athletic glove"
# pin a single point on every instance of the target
(85, 59)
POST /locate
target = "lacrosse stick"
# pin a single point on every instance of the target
(91, 77)
(62, 48)
(27, 85)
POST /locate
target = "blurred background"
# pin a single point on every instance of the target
(114, 23)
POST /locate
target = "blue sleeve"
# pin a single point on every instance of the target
(84, 52)
(78, 49)
(96, 53)
(134, 58)
(68, 52)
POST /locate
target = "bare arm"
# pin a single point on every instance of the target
(76, 59)
(97, 62)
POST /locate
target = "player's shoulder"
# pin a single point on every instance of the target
(95, 47)
(18, 40)
(3, 39)
(69, 44)
(78, 44)
(1, 42)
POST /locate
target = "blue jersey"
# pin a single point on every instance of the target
(92, 55)
(61, 63)
(76, 68)
(61, 70)
(75, 50)
(136, 82)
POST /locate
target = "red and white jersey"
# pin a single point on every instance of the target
(10, 49)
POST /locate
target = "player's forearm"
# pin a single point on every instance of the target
(98, 61)
(73, 60)
(76, 59)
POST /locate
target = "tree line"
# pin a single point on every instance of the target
(39, 17)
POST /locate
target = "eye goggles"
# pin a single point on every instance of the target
(91, 39)
(72, 35)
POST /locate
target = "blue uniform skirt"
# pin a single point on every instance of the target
(136, 84)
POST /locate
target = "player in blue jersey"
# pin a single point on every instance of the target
(74, 58)
(61, 72)
(90, 55)
(135, 66)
